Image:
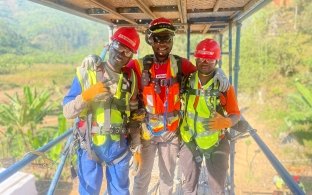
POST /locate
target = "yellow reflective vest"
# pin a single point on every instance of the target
(110, 113)
(200, 105)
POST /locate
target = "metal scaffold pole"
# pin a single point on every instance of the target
(188, 47)
(60, 167)
(230, 53)
(220, 42)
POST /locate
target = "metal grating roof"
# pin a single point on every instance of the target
(203, 16)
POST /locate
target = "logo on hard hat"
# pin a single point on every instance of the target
(161, 22)
(205, 52)
(127, 39)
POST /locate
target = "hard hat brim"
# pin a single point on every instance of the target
(162, 27)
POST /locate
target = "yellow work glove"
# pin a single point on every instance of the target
(137, 161)
(94, 91)
(219, 122)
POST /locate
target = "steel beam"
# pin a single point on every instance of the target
(165, 8)
(231, 9)
(250, 8)
(209, 19)
(128, 10)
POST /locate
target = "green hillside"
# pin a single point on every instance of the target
(31, 33)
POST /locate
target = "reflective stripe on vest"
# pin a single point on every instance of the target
(155, 106)
(105, 114)
(195, 122)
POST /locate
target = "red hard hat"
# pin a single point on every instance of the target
(208, 49)
(127, 36)
(161, 24)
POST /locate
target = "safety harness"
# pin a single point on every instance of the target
(212, 100)
(152, 113)
(84, 129)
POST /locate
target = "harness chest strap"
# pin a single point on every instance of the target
(112, 130)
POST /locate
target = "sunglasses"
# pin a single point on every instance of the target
(120, 48)
(162, 39)
(201, 60)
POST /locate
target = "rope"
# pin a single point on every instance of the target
(47, 163)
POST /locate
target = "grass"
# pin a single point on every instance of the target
(39, 75)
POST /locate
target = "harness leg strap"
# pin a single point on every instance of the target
(90, 152)
(195, 151)
(119, 158)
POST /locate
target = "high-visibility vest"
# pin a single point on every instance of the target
(110, 113)
(162, 114)
(200, 105)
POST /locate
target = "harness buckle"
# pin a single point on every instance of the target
(163, 82)
(83, 144)
(110, 130)
(198, 159)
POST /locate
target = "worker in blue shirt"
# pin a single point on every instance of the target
(102, 98)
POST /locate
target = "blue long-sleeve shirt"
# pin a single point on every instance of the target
(74, 91)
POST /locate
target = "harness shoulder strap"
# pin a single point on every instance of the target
(179, 64)
(219, 107)
(181, 78)
(126, 85)
(192, 146)
(90, 151)
(187, 89)
(148, 62)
